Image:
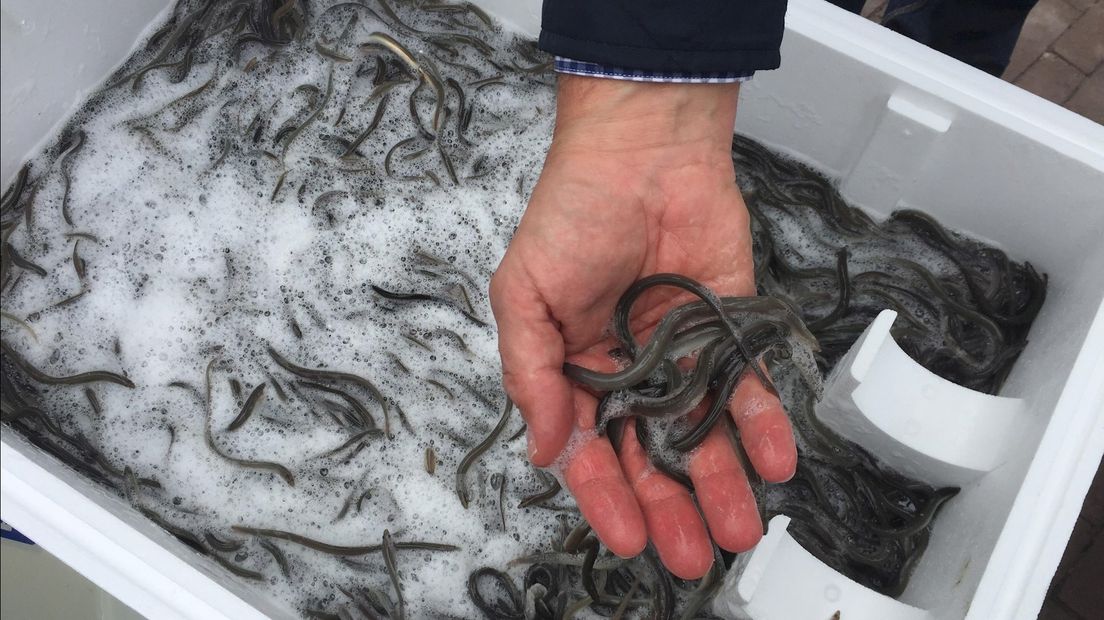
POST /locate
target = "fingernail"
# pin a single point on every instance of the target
(626, 557)
(530, 443)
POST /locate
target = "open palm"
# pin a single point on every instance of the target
(602, 216)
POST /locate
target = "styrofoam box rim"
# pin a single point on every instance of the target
(109, 543)
(1001, 102)
(145, 567)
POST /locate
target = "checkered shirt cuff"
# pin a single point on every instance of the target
(578, 67)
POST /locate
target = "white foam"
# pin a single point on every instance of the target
(195, 257)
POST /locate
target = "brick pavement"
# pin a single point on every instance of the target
(1077, 590)
(1060, 55)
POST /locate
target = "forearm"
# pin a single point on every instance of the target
(645, 124)
(621, 115)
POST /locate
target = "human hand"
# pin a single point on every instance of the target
(638, 180)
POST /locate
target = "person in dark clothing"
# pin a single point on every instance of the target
(639, 180)
(981, 33)
(739, 36)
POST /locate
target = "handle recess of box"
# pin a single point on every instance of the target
(894, 156)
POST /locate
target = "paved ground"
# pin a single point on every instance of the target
(1077, 591)
(1060, 56)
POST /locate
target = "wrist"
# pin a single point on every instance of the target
(642, 119)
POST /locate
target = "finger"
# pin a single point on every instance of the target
(765, 430)
(532, 351)
(673, 523)
(593, 476)
(724, 494)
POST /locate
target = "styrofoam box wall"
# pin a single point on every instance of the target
(900, 125)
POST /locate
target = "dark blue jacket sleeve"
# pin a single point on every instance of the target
(666, 35)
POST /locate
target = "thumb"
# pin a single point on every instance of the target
(532, 350)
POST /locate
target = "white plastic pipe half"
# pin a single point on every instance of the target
(912, 420)
(780, 580)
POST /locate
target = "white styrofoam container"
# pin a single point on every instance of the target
(901, 126)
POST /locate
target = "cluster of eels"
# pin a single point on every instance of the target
(964, 311)
(824, 268)
(964, 308)
(726, 337)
